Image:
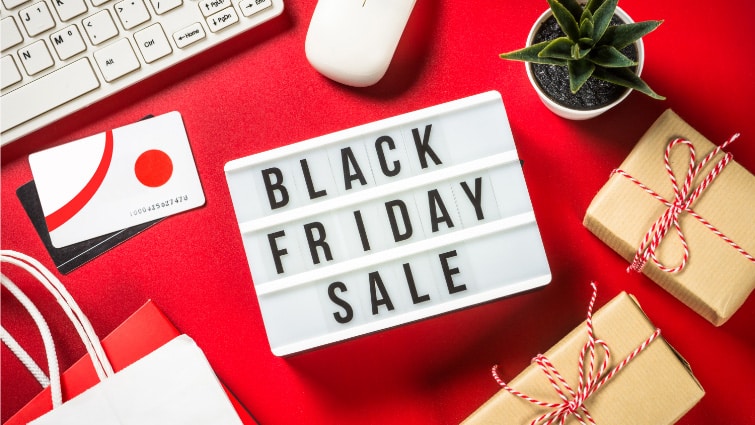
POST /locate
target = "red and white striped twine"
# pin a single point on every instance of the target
(590, 380)
(684, 197)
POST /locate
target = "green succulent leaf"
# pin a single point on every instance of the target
(586, 14)
(560, 48)
(593, 5)
(565, 20)
(579, 73)
(610, 57)
(602, 17)
(586, 43)
(532, 54)
(621, 36)
(626, 78)
(574, 8)
(586, 46)
(579, 52)
(586, 27)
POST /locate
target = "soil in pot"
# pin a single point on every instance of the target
(554, 79)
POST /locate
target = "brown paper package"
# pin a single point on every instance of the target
(655, 388)
(717, 278)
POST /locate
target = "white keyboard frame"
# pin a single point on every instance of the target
(171, 21)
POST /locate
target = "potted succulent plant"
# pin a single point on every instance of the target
(583, 59)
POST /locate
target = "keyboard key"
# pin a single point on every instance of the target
(208, 7)
(68, 42)
(188, 35)
(131, 13)
(152, 43)
(9, 33)
(46, 93)
(36, 18)
(10, 4)
(69, 9)
(116, 60)
(35, 57)
(100, 27)
(9, 74)
(97, 3)
(162, 6)
(222, 19)
(250, 7)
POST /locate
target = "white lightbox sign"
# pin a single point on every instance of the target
(387, 223)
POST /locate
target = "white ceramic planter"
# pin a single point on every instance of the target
(578, 114)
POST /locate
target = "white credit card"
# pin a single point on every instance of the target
(116, 179)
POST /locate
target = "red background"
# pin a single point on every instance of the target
(258, 92)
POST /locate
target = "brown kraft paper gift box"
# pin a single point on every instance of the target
(717, 278)
(656, 387)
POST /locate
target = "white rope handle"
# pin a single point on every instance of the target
(84, 328)
(24, 357)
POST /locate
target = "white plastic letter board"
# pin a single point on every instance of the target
(387, 223)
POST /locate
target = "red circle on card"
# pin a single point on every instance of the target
(153, 168)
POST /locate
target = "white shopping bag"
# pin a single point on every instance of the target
(174, 384)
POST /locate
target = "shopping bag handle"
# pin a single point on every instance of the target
(102, 365)
(52, 360)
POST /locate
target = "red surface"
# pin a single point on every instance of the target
(258, 92)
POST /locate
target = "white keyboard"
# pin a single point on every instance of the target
(59, 56)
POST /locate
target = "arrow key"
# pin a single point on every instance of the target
(188, 35)
(250, 7)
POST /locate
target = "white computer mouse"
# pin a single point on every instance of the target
(353, 41)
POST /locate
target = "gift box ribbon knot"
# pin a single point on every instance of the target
(684, 197)
(591, 379)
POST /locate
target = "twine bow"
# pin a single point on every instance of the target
(684, 197)
(590, 379)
